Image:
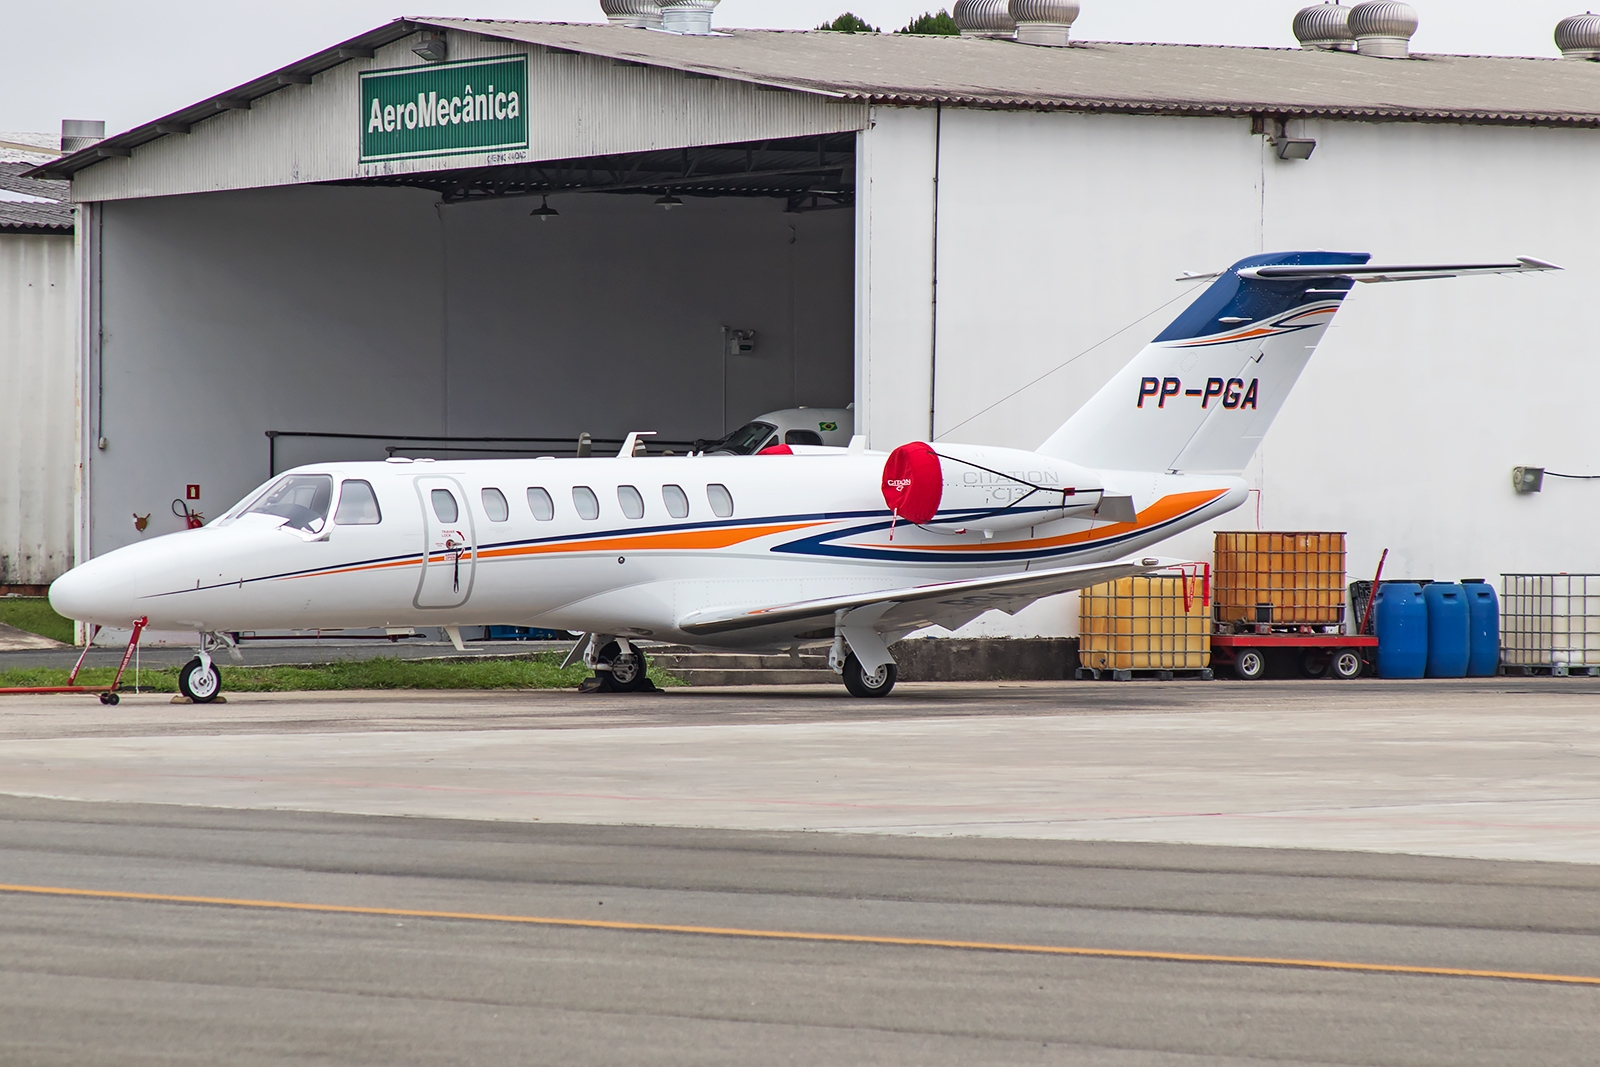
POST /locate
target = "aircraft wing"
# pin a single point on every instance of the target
(913, 607)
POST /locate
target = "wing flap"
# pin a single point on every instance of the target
(928, 602)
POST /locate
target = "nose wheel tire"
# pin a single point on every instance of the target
(1347, 664)
(629, 670)
(200, 682)
(1249, 664)
(110, 698)
(864, 683)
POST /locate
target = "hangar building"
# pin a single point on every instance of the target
(964, 236)
(38, 368)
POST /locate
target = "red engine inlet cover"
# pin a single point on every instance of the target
(913, 482)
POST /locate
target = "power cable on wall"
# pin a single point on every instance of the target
(1067, 362)
(1574, 477)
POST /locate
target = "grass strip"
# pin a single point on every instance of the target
(538, 671)
(34, 614)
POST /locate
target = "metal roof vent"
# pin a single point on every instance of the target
(78, 134)
(1045, 22)
(641, 14)
(687, 16)
(1325, 27)
(984, 18)
(1383, 28)
(1578, 36)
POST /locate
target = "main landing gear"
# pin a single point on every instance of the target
(619, 665)
(861, 680)
(864, 683)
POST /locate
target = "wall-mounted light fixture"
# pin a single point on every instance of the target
(1294, 147)
(544, 212)
(668, 202)
(1527, 479)
(1276, 131)
(432, 47)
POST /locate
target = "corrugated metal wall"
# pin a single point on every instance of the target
(579, 106)
(38, 405)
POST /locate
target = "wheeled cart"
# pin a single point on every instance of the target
(108, 693)
(1332, 655)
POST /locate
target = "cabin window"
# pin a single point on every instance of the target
(586, 502)
(539, 502)
(802, 437)
(300, 499)
(358, 504)
(676, 500)
(444, 505)
(720, 499)
(494, 505)
(630, 500)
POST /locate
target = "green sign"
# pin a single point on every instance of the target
(444, 109)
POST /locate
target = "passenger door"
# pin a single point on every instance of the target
(449, 544)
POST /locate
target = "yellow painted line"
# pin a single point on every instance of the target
(797, 935)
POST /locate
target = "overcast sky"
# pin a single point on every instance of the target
(130, 62)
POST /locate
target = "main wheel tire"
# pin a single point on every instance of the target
(199, 684)
(861, 683)
(1314, 662)
(1249, 664)
(1347, 664)
(629, 670)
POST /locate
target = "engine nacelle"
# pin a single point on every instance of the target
(955, 488)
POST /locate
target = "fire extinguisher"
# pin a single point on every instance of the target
(192, 519)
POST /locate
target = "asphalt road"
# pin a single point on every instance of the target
(87, 980)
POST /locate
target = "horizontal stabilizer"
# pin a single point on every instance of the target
(929, 603)
(1382, 272)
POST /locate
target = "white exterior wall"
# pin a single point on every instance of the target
(894, 274)
(1059, 237)
(38, 413)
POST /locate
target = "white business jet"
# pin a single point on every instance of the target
(845, 548)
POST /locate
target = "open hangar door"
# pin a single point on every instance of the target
(430, 313)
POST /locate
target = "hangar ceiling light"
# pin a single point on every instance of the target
(668, 202)
(544, 212)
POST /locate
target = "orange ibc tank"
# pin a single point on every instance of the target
(1280, 577)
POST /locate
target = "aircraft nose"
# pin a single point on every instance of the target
(98, 591)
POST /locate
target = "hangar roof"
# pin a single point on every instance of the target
(1102, 76)
(28, 205)
(923, 70)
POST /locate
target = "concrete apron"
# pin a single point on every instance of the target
(1491, 770)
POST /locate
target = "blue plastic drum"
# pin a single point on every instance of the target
(1483, 622)
(1449, 634)
(1400, 618)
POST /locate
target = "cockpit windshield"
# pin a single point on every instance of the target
(302, 499)
(746, 440)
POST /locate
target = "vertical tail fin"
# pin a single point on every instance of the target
(1201, 396)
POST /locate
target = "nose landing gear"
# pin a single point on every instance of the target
(199, 680)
